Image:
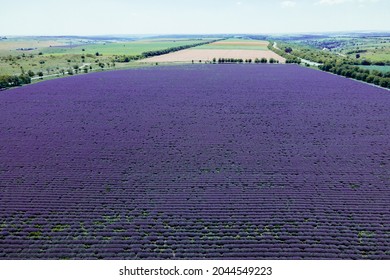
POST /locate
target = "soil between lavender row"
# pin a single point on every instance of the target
(195, 162)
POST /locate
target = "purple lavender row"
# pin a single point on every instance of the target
(197, 162)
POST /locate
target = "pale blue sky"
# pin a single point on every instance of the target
(98, 17)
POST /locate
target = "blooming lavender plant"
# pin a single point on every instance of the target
(195, 162)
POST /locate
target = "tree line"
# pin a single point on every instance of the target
(128, 58)
(286, 54)
(320, 56)
(7, 81)
(339, 65)
(350, 71)
(240, 60)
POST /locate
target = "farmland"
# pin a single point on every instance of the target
(345, 56)
(57, 55)
(372, 47)
(195, 162)
(14, 46)
(79, 46)
(383, 69)
(231, 48)
(204, 55)
(122, 48)
(237, 44)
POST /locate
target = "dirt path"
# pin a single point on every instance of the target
(59, 74)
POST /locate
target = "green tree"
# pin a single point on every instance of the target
(370, 78)
(3, 82)
(24, 79)
(376, 80)
(15, 81)
(384, 82)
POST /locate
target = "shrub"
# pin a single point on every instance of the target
(24, 79)
(384, 82)
(376, 80)
(370, 78)
(12, 81)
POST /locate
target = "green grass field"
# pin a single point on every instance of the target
(377, 49)
(377, 55)
(232, 47)
(236, 44)
(378, 68)
(126, 48)
(49, 64)
(37, 44)
(55, 58)
(240, 40)
(372, 48)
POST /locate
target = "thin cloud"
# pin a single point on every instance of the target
(288, 4)
(337, 2)
(332, 2)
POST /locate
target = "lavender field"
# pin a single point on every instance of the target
(196, 162)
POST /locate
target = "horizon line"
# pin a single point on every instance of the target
(200, 34)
